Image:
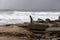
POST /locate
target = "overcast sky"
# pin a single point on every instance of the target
(30, 5)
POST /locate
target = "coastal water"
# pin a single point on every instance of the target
(21, 17)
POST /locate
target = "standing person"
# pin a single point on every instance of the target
(31, 20)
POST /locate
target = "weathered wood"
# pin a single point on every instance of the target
(14, 32)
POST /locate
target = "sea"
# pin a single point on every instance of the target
(14, 17)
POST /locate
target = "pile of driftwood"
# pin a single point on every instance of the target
(14, 32)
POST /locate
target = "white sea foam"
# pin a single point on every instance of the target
(21, 17)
